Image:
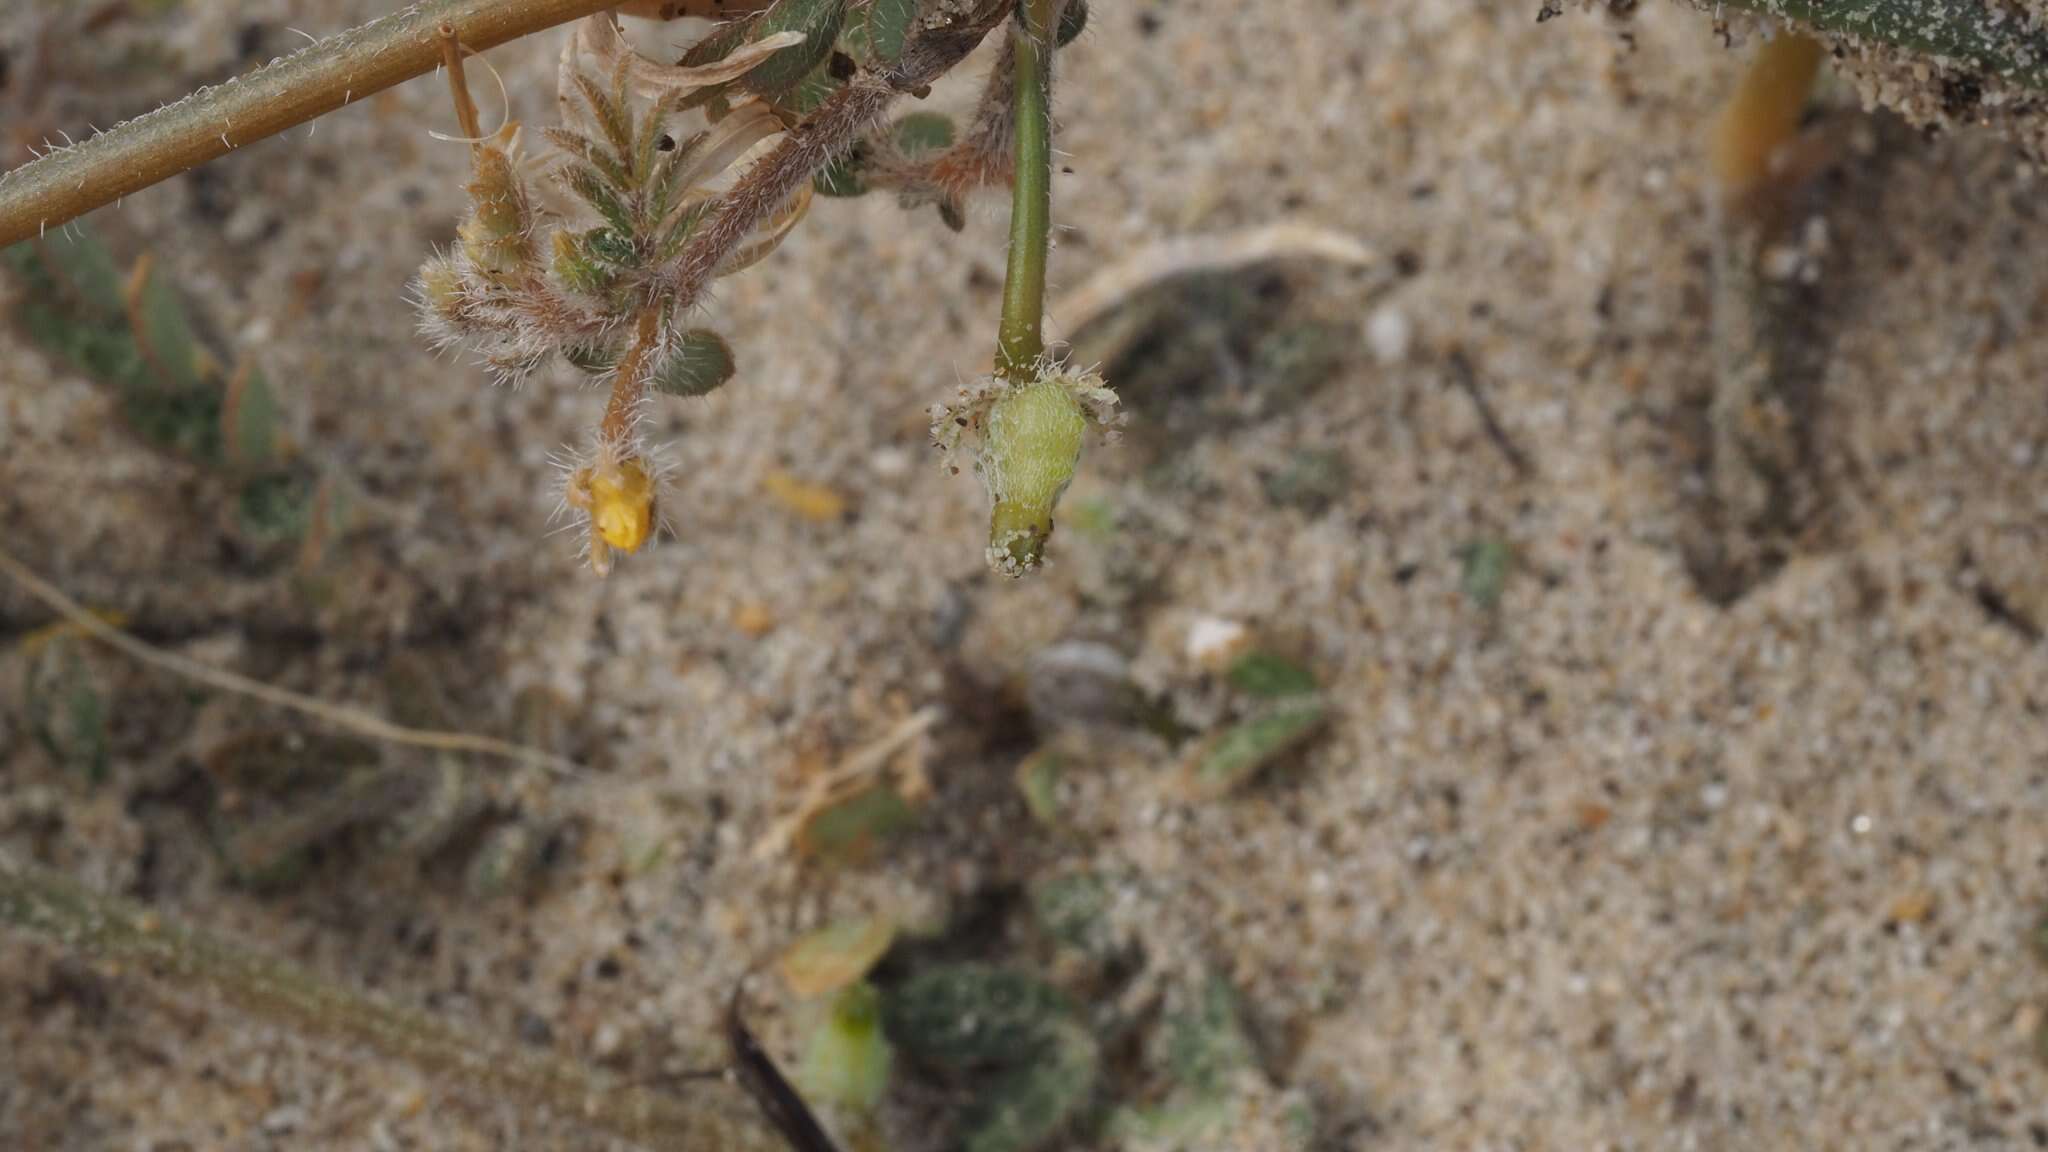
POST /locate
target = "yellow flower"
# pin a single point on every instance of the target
(618, 495)
(622, 506)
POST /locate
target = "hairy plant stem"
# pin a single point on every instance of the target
(629, 382)
(339, 70)
(128, 936)
(1020, 340)
(1972, 32)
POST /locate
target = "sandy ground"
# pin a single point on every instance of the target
(1616, 864)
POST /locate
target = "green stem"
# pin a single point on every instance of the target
(1021, 339)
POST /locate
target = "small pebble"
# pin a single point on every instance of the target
(1214, 642)
(1390, 335)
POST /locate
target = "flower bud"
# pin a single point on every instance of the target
(497, 237)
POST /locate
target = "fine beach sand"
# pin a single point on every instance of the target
(1633, 859)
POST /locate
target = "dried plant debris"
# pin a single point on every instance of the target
(283, 794)
(285, 799)
(836, 956)
(845, 813)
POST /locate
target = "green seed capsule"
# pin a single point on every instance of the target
(1034, 443)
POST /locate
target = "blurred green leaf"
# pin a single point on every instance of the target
(888, 23)
(1487, 563)
(854, 827)
(163, 329)
(836, 956)
(847, 1057)
(922, 133)
(1270, 676)
(66, 709)
(1238, 755)
(252, 419)
(1038, 779)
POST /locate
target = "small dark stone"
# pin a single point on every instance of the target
(534, 1030)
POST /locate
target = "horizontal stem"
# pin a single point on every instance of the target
(212, 122)
(281, 994)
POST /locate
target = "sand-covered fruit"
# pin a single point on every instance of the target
(1026, 438)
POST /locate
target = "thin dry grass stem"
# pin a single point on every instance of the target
(848, 775)
(1149, 267)
(361, 723)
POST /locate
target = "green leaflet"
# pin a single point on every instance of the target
(1235, 757)
(701, 363)
(1270, 676)
(888, 24)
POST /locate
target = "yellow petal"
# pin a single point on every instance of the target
(622, 506)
